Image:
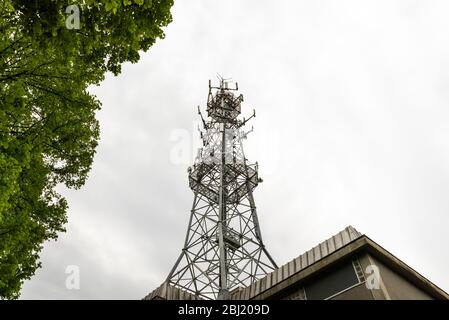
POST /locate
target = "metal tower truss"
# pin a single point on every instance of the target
(223, 248)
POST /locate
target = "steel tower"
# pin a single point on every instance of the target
(223, 247)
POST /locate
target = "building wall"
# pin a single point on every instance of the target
(359, 292)
(391, 286)
(397, 287)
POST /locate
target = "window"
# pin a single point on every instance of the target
(333, 282)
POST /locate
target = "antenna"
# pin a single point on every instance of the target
(246, 120)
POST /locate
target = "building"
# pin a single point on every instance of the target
(347, 266)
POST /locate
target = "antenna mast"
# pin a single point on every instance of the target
(223, 248)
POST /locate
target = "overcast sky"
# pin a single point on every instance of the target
(352, 106)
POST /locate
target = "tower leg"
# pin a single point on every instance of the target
(223, 292)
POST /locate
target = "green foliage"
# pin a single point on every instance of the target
(48, 129)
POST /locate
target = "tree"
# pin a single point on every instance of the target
(48, 129)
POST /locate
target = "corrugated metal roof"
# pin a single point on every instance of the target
(315, 254)
(168, 292)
